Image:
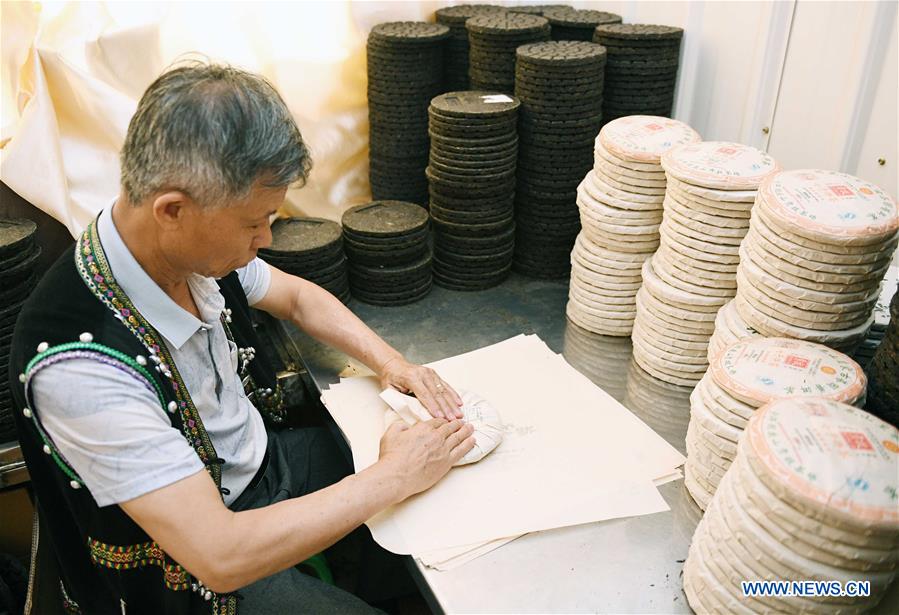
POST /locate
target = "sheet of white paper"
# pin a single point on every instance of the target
(447, 559)
(571, 453)
(677, 474)
(453, 557)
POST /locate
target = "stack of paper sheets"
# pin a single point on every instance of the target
(571, 454)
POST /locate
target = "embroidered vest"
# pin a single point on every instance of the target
(107, 563)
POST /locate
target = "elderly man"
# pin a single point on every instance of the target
(141, 404)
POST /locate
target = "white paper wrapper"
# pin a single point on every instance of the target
(488, 427)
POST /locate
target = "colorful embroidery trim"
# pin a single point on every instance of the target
(94, 269)
(90, 260)
(92, 350)
(129, 557)
(137, 556)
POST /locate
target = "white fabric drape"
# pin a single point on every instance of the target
(72, 74)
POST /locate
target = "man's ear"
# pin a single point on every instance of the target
(170, 209)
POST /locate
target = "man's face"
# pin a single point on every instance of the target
(213, 242)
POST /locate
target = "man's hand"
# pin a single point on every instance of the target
(422, 454)
(436, 395)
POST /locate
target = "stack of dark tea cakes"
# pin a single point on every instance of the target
(474, 150)
(311, 248)
(18, 256)
(883, 372)
(536, 9)
(389, 252)
(641, 71)
(570, 24)
(454, 17)
(559, 84)
(405, 71)
(865, 351)
(493, 40)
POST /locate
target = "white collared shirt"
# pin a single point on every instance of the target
(114, 432)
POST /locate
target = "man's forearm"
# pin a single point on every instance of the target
(325, 318)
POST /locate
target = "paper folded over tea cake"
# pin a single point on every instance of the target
(488, 428)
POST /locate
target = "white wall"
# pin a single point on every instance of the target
(814, 83)
(821, 77)
(837, 102)
(879, 139)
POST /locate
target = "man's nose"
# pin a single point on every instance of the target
(265, 239)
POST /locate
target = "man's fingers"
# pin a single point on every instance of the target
(433, 400)
(449, 398)
(451, 393)
(446, 406)
(396, 427)
(454, 408)
(444, 396)
(436, 423)
(460, 450)
(451, 427)
(436, 406)
(440, 399)
(458, 435)
(426, 397)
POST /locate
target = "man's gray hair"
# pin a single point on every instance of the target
(211, 131)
